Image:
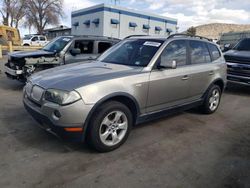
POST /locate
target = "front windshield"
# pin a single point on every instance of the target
(243, 45)
(132, 52)
(57, 44)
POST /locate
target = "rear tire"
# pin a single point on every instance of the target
(109, 126)
(212, 100)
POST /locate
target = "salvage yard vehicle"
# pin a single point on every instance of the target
(238, 62)
(60, 51)
(138, 79)
(34, 40)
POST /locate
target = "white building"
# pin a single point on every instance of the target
(119, 22)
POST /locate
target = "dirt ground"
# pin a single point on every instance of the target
(187, 149)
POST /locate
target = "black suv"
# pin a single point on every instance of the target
(238, 62)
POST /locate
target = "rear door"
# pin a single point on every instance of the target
(170, 87)
(34, 41)
(202, 68)
(42, 40)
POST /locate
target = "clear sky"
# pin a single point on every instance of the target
(188, 12)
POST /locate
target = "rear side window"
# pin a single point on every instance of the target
(34, 39)
(42, 39)
(103, 46)
(215, 53)
(175, 51)
(199, 52)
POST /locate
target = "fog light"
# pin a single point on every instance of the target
(57, 113)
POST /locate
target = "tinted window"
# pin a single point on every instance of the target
(103, 46)
(243, 45)
(132, 52)
(34, 39)
(86, 47)
(175, 51)
(42, 39)
(215, 53)
(199, 52)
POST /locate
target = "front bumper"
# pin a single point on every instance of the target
(70, 118)
(12, 71)
(238, 79)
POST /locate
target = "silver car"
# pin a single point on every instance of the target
(136, 80)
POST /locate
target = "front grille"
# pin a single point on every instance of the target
(238, 69)
(235, 59)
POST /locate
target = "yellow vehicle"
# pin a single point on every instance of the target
(9, 34)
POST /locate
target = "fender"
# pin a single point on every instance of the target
(104, 99)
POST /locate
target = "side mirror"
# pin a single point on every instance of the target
(75, 51)
(227, 47)
(172, 66)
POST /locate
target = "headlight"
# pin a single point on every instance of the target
(61, 97)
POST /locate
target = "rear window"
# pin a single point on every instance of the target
(215, 53)
(199, 52)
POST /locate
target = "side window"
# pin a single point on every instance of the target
(86, 47)
(42, 38)
(175, 51)
(34, 39)
(103, 46)
(199, 52)
(215, 53)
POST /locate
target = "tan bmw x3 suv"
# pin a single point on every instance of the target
(138, 79)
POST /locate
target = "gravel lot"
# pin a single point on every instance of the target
(184, 150)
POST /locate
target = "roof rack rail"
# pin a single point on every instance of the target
(97, 36)
(187, 35)
(135, 36)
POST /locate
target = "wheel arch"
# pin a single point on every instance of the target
(121, 97)
(219, 82)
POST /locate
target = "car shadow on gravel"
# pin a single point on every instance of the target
(8, 84)
(237, 89)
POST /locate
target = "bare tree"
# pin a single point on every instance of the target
(40, 13)
(191, 31)
(17, 12)
(12, 12)
(5, 11)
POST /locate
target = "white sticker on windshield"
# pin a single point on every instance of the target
(149, 43)
(66, 39)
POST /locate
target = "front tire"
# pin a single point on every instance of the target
(110, 126)
(212, 100)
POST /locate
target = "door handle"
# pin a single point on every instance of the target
(186, 77)
(211, 73)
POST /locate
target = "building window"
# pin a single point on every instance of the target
(87, 23)
(169, 31)
(96, 22)
(76, 24)
(132, 25)
(114, 23)
(158, 30)
(145, 28)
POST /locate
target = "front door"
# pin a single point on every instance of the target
(87, 52)
(169, 87)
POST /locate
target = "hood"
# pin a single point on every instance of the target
(70, 77)
(34, 54)
(236, 56)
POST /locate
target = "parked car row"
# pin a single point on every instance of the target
(138, 79)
